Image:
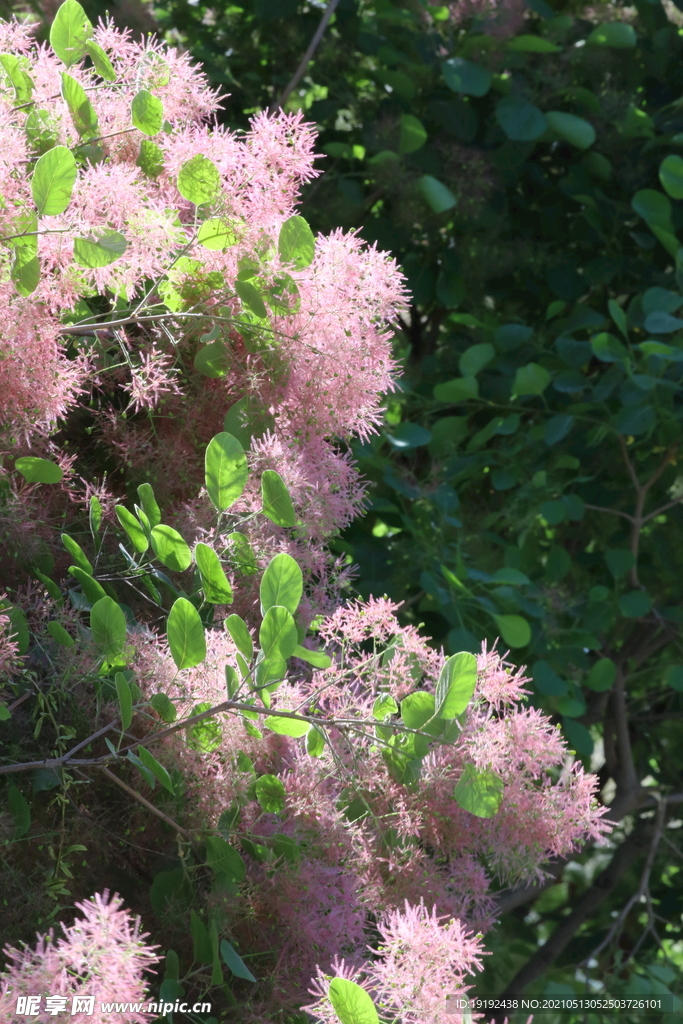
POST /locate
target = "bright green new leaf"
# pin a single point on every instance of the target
(282, 584)
(59, 634)
(185, 631)
(460, 389)
(286, 727)
(413, 134)
(270, 793)
(53, 181)
(147, 112)
(224, 859)
(417, 709)
(618, 35)
(384, 705)
(131, 525)
(170, 548)
(278, 634)
(238, 630)
(164, 707)
(125, 696)
(479, 792)
(515, 631)
(157, 770)
(216, 585)
(235, 962)
(199, 180)
(243, 554)
(520, 120)
(149, 504)
(81, 109)
(216, 234)
(296, 242)
(351, 1003)
(25, 270)
(99, 251)
(226, 472)
(22, 83)
(150, 159)
(77, 553)
(38, 471)
(315, 742)
(206, 735)
(575, 130)
(108, 627)
(438, 197)
(93, 590)
(463, 76)
(316, 658)
(70, 32)
(531, 44)
(103, 66)
(531, 379)
(456, 685)
(475, 358)
(602, 675)
(277, 504)
(671, 175)
(232, 681)
(212, 360)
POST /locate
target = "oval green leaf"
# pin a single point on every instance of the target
(103, 66)
(270, 793)
(532, 44)
(53, 181)
(81, 109)
(235, 962)
(157, 770)
(438, 197)
(216, 234)
(351, 1003)
(38, 471)
(465, 77)
(296, 243)
(70, 32)
(108, 626)
(278, 634)
(617, 34)
(575, 130)
(671, 176)
(241, 637)
(286, 726)
(515, 631)
(147, 112)
(224, 859)
(125, 699)
(199, 180)
(225, 470)
(99, 252)
(277, 504)
(131, 525)
(216, 585)
(185, 632)
(520, 120)
(479, 792)
(170, 548)
(456, 685)
(282, 584)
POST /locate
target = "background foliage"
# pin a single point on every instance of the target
(524, 165)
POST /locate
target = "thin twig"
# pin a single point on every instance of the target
(150, 806)
(306, 59)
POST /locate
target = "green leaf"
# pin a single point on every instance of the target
(81, 109)
(232, 681)
(602, 675)
(653, 207)
(216, 234)
(131, 525)
(417, 709)
(216, 586)
(578, 737)
(149, 504)
(296, 243)
(514, 630)
(531, 44)
(315, 742)
(619, 561)
(164, 707)
(147, 113)
(25, 270)
(531, 379)
(277, 504)
(170, 548)
(204, 736)
(438, 196)
(634, 604)
(199, 180)
(93, 590)
(19, 630)
(270, 793)
(282, 584)
(5, 713)
(286, 727)
(616, 34)
(38, 471)
(671, 175)
(460, 389)
(479, 792)
(224, 859)
(607, 348)
(53, 180)
(43, 780)
(234, 961)
(20, 810)
(212, 360)
(103, 66)
(243, 554)
(238, 630)
(575, 130)
(108, 627)
(475, 358)
(77, 553)
(125, 697)
(278, 634)
(185, 631)
(520, 120)
(465, 77)
(456, 685)
(316, 658)
(99, 251)
(201, 940)
(150, 159)
(21, 81)
(674, 677)
(384, 705)
(413, 134)
(225, 470)
(70, 32)
(59, 634)
(557, 428)
(251, 298)
(407, 435)
(351, 1003)
(157, 770)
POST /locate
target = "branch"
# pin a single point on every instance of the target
(146, 803)
(305, 60)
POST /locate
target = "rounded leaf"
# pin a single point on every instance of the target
(465, 77)
(437, 196)
(70, 32)
(278, 634)
(108, 626)
(514, 630)
(456, 685)
(216, 234)
(186, 639)
(225, 470)
(170, 548)
(270, 794)
(199, 180)
(282, 584)
(351, 1003)
(53, 181)
(216, 585)
(520, 120)
(413, 134)
(38, 471)
(296, 242)
(617, 34)
(479, 792)
(575, 130)
(147, 112)
(99, 252)
(532, 44)
(671, 175)
(286, 726)
(277, 504)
